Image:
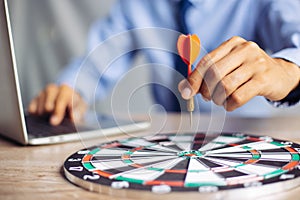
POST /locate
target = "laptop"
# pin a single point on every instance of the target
(33, 130)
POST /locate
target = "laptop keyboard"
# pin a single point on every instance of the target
(38, 126)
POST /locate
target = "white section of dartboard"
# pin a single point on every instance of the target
(199, 173)
(194, 164)
(108, 165)
(184, 142)
(224, 139)
(184, 145)
(109, 152)
(156, 159)
(230, 155)
(137, 142)
(276, 156)
(256, 169)
(152, 153)
(253, 145)
(161, 148)
(240, 179)
(145, 174)
(263, 145)
(149, 158)
(224, 162)
(104, 160)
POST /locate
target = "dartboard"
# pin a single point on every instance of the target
(165, 163)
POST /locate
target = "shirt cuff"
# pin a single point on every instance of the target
(292, 55)
(289, 54)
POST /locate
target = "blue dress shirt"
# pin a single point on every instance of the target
(152, 28)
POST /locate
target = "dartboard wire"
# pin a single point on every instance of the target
(116, 151)
(293, 160)
(183, 141)
(280, 157)
(269, 171)
(270, 156)
(120, 164)
(239, 164)
(146, 144)
(219, 179)
(141, 162)
(217, 142)
(184, 145)
(146, 149)
(202, 175)
(276, 172)
(107, 160)
(142, 154)
(225, 180)
(170, 162)
(107, 174)
(171, 145)
(244, 153)
(159, 148)
(97, 151)
(234, 165)
(237, 140)
(132, 158)
(194, 140)
(171, 171)
(261, 145)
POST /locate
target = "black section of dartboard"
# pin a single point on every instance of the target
(75, 161)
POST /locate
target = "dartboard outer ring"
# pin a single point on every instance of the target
(212, 165)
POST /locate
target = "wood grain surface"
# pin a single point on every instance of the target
(35, 172)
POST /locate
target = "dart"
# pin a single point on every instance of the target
(188, 47)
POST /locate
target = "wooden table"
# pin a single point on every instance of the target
(35, 172)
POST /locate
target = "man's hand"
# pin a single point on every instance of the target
(237, 71)
(58, 101)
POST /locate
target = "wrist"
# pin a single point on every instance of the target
(292, 70)
(293, 90)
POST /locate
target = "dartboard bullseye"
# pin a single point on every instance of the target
(186, 162)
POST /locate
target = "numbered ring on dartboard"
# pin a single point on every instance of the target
(203, 163)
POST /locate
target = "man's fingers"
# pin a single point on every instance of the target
(222, 68)
(224, 49)
(242, 95)
(185, 89)
(209, 62)
(51, 95)
(64, 98)
(33, 106)
(41, 103)
(231, 82)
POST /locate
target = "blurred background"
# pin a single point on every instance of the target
(49, 33)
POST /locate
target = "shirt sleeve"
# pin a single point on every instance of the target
(106, 59)
(279, 31)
